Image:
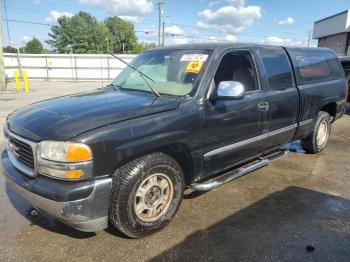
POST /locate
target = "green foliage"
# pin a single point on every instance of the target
(34, 46)
(122, 32)
(141, 47)
(9, 49)
(82, 34)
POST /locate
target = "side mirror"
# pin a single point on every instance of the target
(230, 90)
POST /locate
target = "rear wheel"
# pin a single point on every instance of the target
(146, 194)
(317, 140)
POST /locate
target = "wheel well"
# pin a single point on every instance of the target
(330, 108)
(183, 156)
(177, 151)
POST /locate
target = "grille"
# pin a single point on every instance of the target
(22, 151)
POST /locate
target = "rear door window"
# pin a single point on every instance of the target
(277, 67)
(316, 66)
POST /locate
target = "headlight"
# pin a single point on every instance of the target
(64, 151)
(64, 160)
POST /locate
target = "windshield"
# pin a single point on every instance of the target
(175, 72)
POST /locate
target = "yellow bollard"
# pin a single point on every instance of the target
(25, 81)
(18, 87)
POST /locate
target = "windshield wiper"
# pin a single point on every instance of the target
(116, 87)
(142, 75)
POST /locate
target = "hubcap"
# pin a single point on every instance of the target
(322, 134)
(153, 197)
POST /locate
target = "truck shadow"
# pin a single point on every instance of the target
(295, 224)
(41, 219)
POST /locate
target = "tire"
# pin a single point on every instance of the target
(153, 183)
(317, 140)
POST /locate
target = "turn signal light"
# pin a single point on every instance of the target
(78, 152)
(63, 174)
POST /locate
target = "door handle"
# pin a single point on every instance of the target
(264, 106)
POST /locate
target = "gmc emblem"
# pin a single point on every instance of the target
(13, 148)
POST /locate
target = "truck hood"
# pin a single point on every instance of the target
(65, 117)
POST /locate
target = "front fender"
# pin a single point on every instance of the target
(147, 144)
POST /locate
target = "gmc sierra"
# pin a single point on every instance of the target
(192, 116)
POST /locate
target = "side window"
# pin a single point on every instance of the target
(237, 66)
(278, 70)
(316, 66)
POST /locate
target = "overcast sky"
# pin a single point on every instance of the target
(280, 22)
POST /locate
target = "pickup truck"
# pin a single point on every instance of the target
(188, 116)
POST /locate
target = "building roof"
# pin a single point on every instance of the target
(335, 24)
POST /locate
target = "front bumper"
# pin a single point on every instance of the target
(88, 213)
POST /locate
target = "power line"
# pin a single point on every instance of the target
(47, 24)
(7, 23)
(147, 32)
(247, 33)
(27, 22)
(144, 31)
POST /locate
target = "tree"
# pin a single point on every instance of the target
(141, 47)
(81, 33)
(10, 49)
(122, 33)
(34, 46)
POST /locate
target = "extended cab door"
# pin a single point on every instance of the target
(234, 130)
(282, 95)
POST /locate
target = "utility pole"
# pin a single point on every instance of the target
(2, 71)
(160, 4)
(163, 33)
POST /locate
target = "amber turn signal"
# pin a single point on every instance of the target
(78, 152)
(74, 174)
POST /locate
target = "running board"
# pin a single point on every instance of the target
(234, 174)
(276, 155)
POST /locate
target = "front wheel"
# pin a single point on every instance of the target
(317, 140)
(146, 194)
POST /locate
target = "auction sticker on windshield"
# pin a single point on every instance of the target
(194, 67)
(194, 57)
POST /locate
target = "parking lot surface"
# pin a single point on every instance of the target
(295, 209)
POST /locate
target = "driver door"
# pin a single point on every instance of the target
(234, 131)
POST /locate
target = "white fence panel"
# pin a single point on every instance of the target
(87, 67)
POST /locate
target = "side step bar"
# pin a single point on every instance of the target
(234, 174)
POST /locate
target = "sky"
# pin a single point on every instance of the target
(259, 21)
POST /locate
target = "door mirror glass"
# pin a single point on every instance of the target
(230, 90)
